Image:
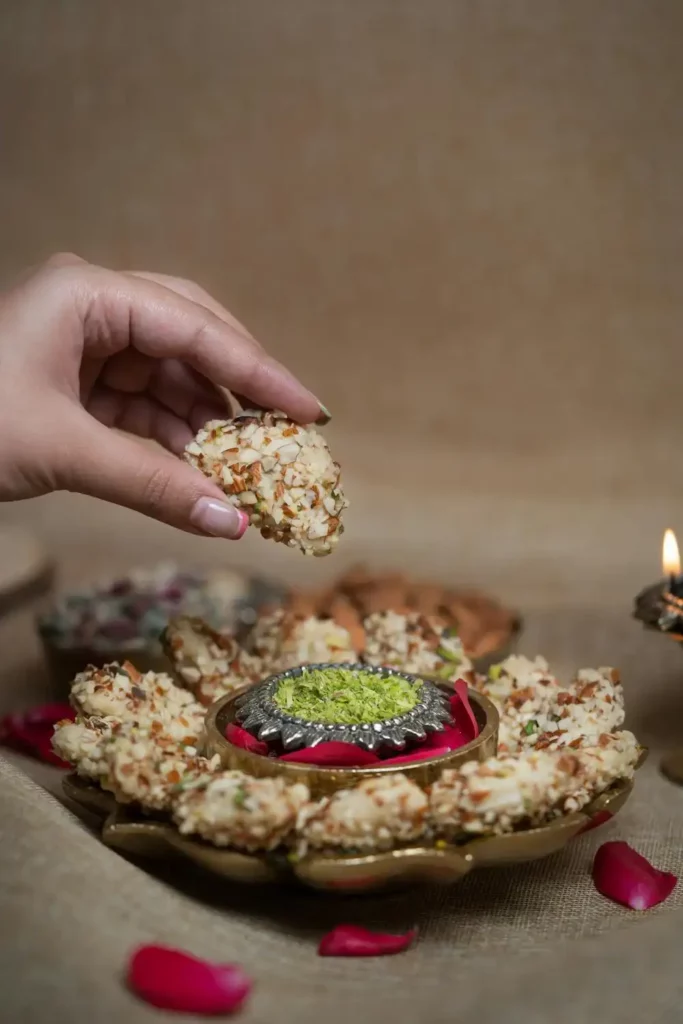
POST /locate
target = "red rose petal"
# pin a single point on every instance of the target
(173, 980)
(30, 732)
(333, 755)
(347, 755)
(465, 727)
(350, 940)
(48, 714)
(463, 704)
(241, 738)
(623, 875)
(452, 737)
(43, 752)
(418, 755)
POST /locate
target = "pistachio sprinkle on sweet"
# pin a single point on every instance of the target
(339, 696)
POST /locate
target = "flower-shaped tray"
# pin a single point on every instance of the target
(127, 829)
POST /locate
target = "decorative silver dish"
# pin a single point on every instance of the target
(257, 712)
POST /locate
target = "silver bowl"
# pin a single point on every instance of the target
(258, 712)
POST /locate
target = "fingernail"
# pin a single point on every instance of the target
(218, 519)
(325, 414)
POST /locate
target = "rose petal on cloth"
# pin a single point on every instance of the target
(418, 754)
(333, 755)
(30, 732)
(351, 940)
(172, 980)
(239, 737)
(625, 876)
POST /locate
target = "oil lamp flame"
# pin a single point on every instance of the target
(671, 561)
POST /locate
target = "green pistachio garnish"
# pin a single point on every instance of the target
(531, 726)
(447, 655)
(189, 782)
(346, 697)
(495, 672)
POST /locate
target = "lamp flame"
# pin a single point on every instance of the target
(671, 560)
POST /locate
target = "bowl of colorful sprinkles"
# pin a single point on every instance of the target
(121, 619)
(141, 758)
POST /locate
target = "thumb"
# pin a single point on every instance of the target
(118, 469)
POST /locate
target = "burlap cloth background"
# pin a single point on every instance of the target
(461, 223)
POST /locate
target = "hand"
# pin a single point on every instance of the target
(86, 351)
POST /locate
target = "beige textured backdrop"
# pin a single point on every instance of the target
(460, 222)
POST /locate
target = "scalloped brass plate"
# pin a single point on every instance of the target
(128, 830)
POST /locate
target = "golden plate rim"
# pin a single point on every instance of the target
(323, 781)
(127, 830)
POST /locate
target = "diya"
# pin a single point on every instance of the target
(660, 607)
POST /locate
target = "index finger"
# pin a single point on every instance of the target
(195, 293)
(163, 324)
